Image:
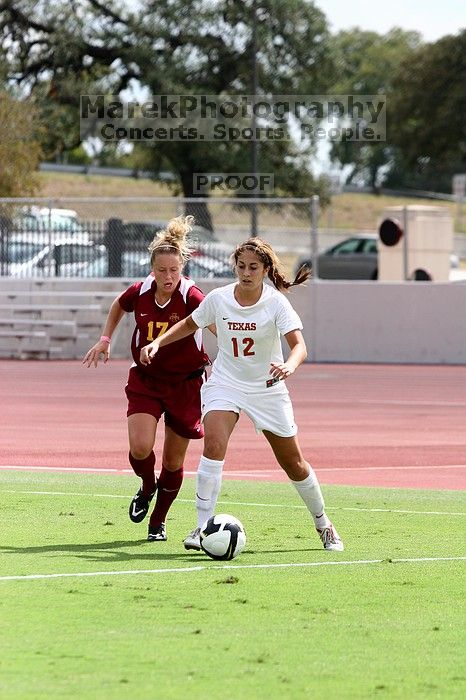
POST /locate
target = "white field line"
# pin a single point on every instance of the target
(232, 567)
(237, 503)
(257, 473)
(24, 467)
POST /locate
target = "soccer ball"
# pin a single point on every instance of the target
(222, 537)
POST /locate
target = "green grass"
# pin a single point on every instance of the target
(199, 629)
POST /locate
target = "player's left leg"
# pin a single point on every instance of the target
(144, 412)
(168, 483)
(141, 433)
(288, 454)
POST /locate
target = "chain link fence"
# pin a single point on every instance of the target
(109, 237)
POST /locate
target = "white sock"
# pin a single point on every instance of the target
(310, 492)
(208, 483)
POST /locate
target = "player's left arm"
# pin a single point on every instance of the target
(180, 330)
(298, 354)
(195, 297)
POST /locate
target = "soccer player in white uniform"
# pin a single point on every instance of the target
(247, 376)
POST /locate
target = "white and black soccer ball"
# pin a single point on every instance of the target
(222, 537)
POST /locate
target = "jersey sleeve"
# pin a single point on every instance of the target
(127, 299)
(194, 298)
(204, 315)
(286, 317)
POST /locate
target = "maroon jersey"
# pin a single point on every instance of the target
(177, 360)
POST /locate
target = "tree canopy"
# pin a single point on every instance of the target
(426, 100)
(429, 104)
(63, 49)
(60, 50)
(19, 149)
(365, 64)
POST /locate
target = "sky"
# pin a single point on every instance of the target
(433, 19)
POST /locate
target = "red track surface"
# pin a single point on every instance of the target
(372, 425)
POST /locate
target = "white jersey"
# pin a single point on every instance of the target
(248, 337)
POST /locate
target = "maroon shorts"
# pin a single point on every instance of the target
(179, 401)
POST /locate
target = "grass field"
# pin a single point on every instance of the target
(89, 609)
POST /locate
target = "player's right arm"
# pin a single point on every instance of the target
(180, 330)
(102, 347)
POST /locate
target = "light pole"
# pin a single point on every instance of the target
(254, 144)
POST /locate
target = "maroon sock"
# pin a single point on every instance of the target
(168, 486)
(145, 469)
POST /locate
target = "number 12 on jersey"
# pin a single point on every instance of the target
(246, 350)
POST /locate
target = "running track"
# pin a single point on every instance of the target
(369, 425)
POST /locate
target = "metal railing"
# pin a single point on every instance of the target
(109, 236)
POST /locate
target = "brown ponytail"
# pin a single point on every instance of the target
(270, 260)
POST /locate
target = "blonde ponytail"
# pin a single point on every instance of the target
(173, 239)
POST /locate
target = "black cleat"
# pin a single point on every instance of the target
(140, 505)
(157, 534)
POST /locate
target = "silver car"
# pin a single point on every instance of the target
(354, 258)
(64, 257)
(134, 264)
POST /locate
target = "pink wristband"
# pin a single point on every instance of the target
(105, 339)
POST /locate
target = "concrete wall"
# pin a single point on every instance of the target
(414, 322)
(385, 322)
(381, 322)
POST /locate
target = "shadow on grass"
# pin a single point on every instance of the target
(111, 551)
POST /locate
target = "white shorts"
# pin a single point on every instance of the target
(268, 411)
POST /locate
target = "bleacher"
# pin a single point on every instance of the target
(58, 318)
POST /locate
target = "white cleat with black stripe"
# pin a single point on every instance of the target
(330, 538)
(193, 540)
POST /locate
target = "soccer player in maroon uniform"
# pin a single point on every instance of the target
(170, 386)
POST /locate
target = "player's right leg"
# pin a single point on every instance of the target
(218, 426)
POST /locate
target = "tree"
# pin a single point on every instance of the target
(173, 47)
(366, 64)
(19, 148)
(429, 106)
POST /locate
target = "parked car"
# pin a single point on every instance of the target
(65, 257)
(205, 266)
(133, 264)
(44, 220)
(212, 256)
(137, 265)
(146, 230)
(354, 258)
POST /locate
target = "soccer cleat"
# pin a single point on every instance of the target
(193, 540)
(330, 538)
(157, 534)
(140, 505)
